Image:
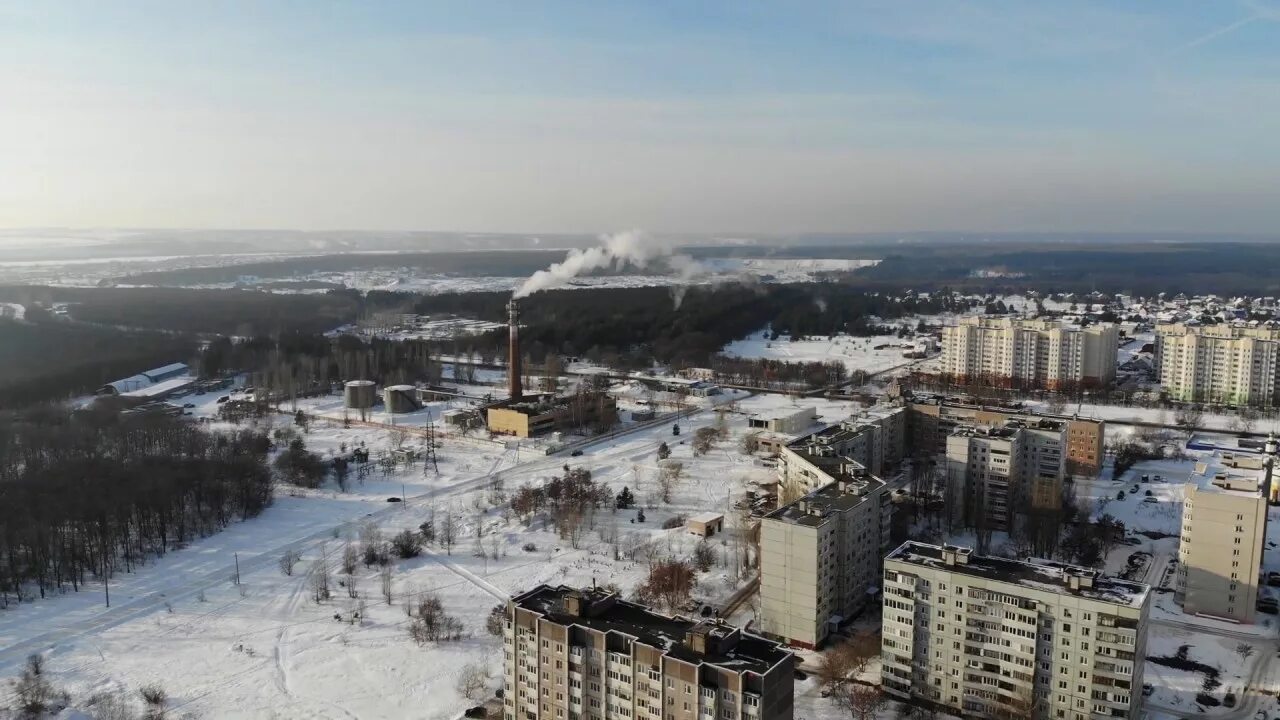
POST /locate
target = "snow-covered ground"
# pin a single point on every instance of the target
(857, 353)
(265, 648)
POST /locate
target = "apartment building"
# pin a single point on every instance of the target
(994, 472)
(820, 556)
(931, 419)
(988, 637)
(1224, 525)
(1219, 363)
(1013, 352)
(588, 654)
(875, 439)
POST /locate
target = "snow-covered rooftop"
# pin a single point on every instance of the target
(1034, 573)
(1236, 473)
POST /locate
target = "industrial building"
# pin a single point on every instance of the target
(932, 419)
(590, 654)
(1224, 526)
(820, 555)
(537, 415)
(155, 384)
(541, 414)
(989, 637)
(1012, 352)
(1219, 363)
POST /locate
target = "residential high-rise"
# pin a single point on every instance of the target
(589, 654)
(994, 473)
(988, 637)
(875, 439)
(1219, 363)
(820, 556)
(1224, 525)
(932, 419)
(1011, 352)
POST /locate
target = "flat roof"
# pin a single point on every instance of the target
(783, 413)
(814, 508)
(707, 517)
(1230, 472)
(1032, 573)
(751, 653)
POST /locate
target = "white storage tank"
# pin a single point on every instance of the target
(359, 394)
(400, 398)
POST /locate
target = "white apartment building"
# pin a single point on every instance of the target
(591, 655)
(988, 637)
(875, 439)
(995, 472)
(820, 556)
(1012, 352)
(1224, 526)
(1219, 363)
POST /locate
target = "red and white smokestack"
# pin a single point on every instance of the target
(514, 369)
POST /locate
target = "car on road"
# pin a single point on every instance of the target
(576, 453)
(1147, 689)
(394, 499)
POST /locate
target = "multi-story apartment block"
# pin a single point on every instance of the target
(1011, 352)
(1224, 525)
(932, 419)
(876, 440)
(820, 555)
(588, 654)
(987, 637)
(995, 472)
(1219, 363)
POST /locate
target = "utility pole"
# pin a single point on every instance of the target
(237, 575)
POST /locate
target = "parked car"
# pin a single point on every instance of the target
(1268, 606)
(1147, 689)
(394, 499)
(576, 453)
(223, 399)
(1150, 500)
(189, 406)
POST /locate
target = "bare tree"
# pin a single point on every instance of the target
(384, 578)
(320, 581)
(473, 683)
(669, 474)
(847, 660)
(288, 560)
(670, 583)
(448, 531)
(1189, 418)
(349, 558)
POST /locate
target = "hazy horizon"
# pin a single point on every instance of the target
(715, 119)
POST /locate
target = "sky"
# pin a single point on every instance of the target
(590, 116)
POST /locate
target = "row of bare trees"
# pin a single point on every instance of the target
(84, 495)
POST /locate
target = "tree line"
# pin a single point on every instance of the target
(86, 494)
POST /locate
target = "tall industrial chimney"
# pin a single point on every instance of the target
(514, 369)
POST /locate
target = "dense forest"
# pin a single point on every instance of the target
(114, 333)
(44, 360)
(1234, 268)
(85, 495)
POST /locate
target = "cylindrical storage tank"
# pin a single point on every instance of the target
(400, 398)
(359, 394)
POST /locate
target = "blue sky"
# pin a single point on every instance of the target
(671, 116)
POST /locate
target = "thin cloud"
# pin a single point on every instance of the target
(1225, 30)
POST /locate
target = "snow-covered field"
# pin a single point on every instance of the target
(857, 353)
(266, 648)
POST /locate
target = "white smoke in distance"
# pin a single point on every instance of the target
(617, 251)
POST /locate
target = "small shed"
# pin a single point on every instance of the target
(706, 524)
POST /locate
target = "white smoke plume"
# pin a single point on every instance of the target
(632, 247)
